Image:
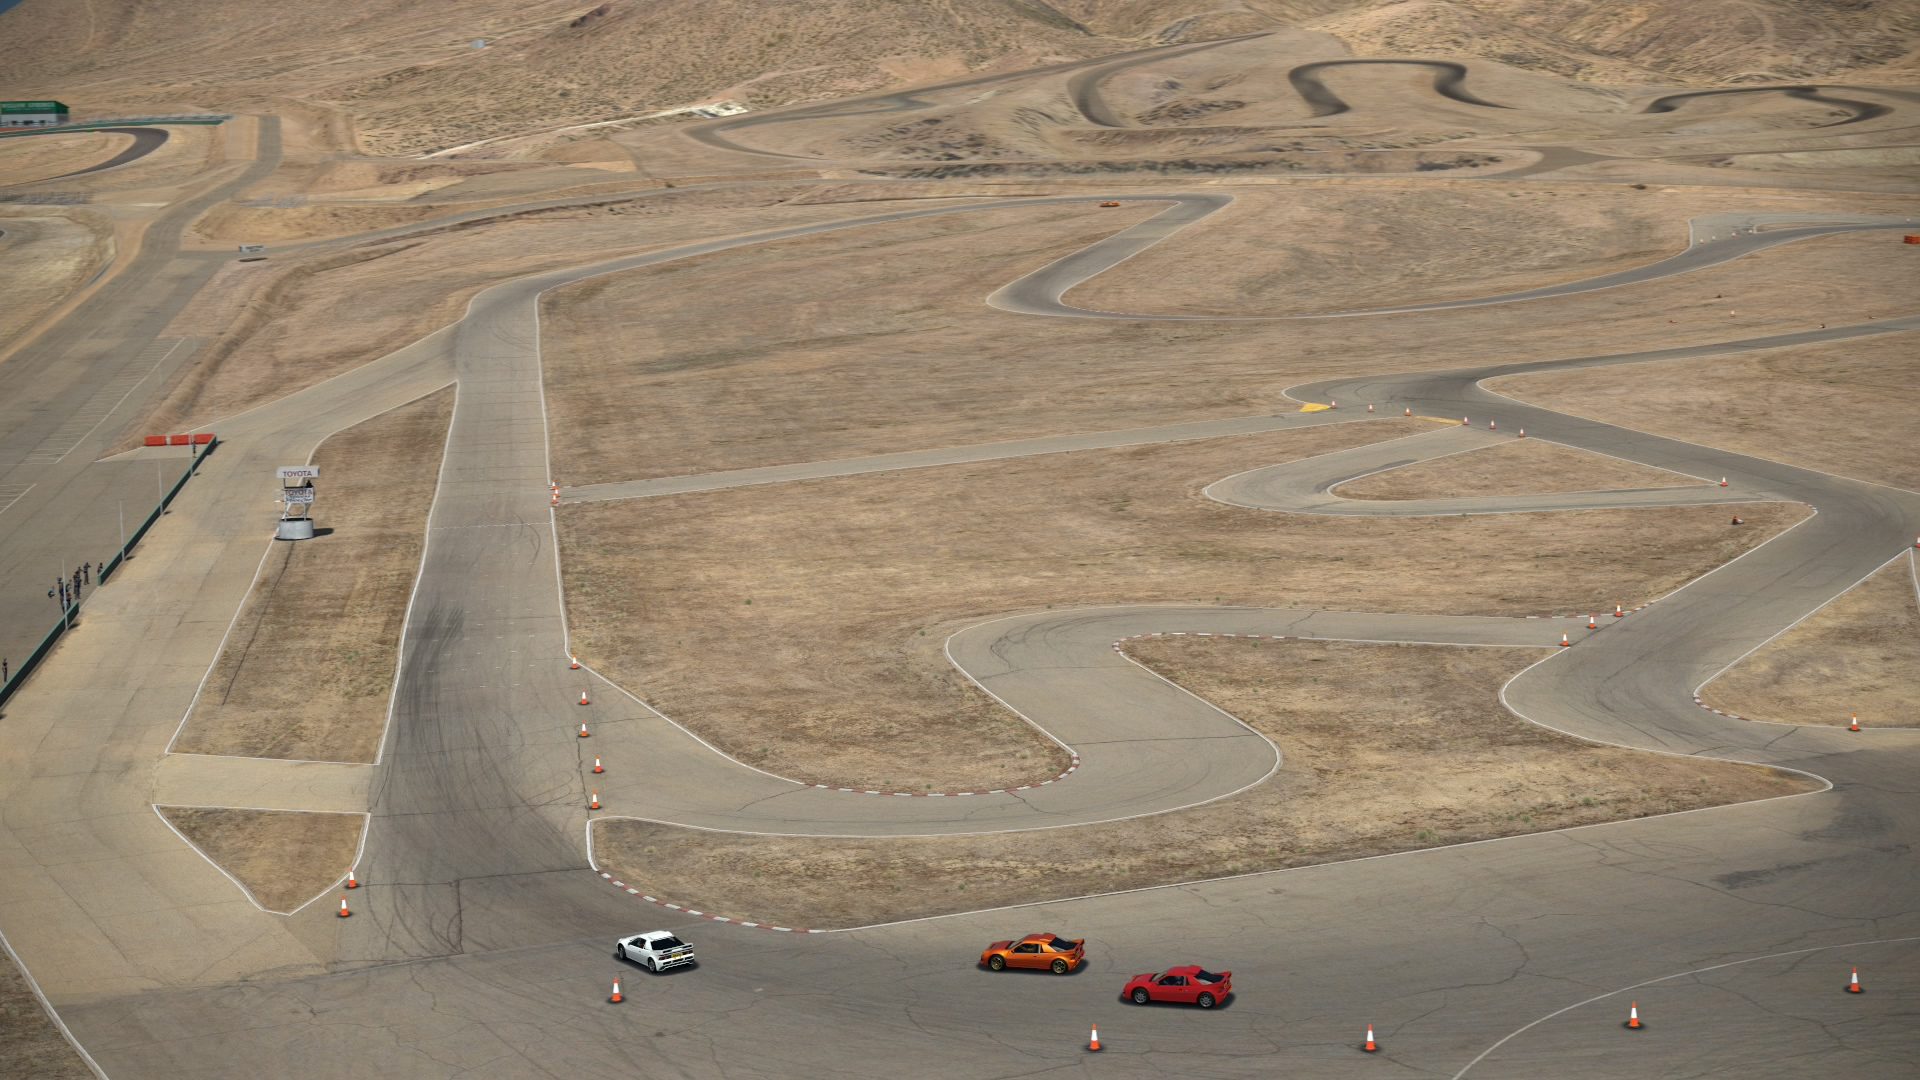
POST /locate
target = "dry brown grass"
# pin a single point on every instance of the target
(799, 626)
(1432, 759)
(283, 857)
(1849, 407)
(31, 1047)
(1529, 466)
(876, 339)
(307, 669)
(1859, 654)
(278, 326)
(1352, 246)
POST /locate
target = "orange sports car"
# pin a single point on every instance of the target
(1042, 952)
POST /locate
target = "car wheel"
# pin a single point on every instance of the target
(997, 963)
(1140, 996)
(653, 965)
(620, 952)
(1059, 967)
(1206, 1001)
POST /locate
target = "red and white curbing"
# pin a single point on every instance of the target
(1182, 633)
(657, 902)
(1716, 712)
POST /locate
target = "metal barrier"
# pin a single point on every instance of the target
(116, 121)
(72, 612)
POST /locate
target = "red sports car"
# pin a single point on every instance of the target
(1186, 985)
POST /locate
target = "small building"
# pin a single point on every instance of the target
(32, 113)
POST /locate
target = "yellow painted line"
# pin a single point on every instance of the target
(1314, 407)
(1440, 420)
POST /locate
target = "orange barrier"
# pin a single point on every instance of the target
(1910, 239)
(197, 438)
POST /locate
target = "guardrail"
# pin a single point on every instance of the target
(105, 573)
(116, 121)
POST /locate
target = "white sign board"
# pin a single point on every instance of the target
(300, 496)
(252, 249)
(297, 475)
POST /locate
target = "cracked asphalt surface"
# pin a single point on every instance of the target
(480, 941)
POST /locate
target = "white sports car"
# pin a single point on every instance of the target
(655, 950)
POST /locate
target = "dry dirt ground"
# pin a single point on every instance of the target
(46, 253)
(331, 607)
(27, 159)
(283, 857)
(1859, 654)
(799, 626)
(1386, 748)
(1847, 407)
(1529, 466)
(877, 339)
(400, 78)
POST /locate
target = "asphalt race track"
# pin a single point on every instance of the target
(145, 141)
(480, 942)
(1449, 81)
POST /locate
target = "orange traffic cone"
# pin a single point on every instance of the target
(1369, 406)
(1564, 643)
(1591, 625)
(1523, 433)
(1370, 1046)
(1464, 422)
(344, 913)
(594, 802)
(1332, 404)
(1619, 612)
(1723, 481)
(583, 698)
(351, 884)
(1493, 425)
(1854, 723)
(1409, 412)
(1853, 984)
(583, 731)
(597, 770)
(1633, 1017)
(1916, 541)
(615, 998)
(1093, 1041)
(573, 662)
